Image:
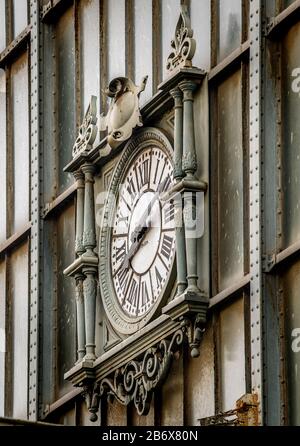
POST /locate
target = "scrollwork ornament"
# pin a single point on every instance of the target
(138, 379)
(183, 45)
(91, 394)
(87, 131)
(194, 331)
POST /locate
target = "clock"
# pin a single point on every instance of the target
(137, 241)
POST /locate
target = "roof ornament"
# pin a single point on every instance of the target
(87, 131)
(183, 45)
(124, 112)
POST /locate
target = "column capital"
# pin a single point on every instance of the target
(176, 93)
(188, 87)
(88, 168)
(79, 178)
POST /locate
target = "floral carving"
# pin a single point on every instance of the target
(79, 290)
(89, 238)
(89, 286)
(183, 45)
(88, 130)
(189, 162)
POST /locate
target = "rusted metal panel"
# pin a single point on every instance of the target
(172, 396)
(116, 414)
(199, 401)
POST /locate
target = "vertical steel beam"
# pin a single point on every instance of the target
(34, 211)
(255, 36)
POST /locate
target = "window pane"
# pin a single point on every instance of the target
(170, 10)
(291, 137)
(2, 25)
(89, 14)
(19, 287)
(143, 45)
(200, 21)
(2, 336)
(291, 284)
(230, 24)
(66, 349)
(19, 75)
(65, 59)
(230, 178)
(20, 16)
(232, 354)
(287, 3)
(2, 155)
(116, 38)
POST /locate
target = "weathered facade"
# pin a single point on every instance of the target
(106, 319)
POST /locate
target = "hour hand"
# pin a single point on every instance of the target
(136, 238)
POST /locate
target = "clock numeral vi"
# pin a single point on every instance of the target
(144, 293)
(133, 291)
(123, 278)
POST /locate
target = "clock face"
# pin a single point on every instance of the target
(137, 239)
(143, 238)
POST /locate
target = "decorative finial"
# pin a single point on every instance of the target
(88, 130)
(124, 112)
(183, 45)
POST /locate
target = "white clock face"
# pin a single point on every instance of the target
(143, 236)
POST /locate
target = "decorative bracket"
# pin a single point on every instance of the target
(194, 330)
(137, 380)
(183, 45)
(87, 131)
(91, 395)
(124, 113)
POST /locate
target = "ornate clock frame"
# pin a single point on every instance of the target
(135, 367)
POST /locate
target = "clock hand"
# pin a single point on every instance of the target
(142, 227)
(145, 221)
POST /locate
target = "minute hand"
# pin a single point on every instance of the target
(142, 228)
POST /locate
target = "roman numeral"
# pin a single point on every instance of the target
(156, 170)
(169, 211)
(167, 183)
(166, 246)
(132, 294)
(120, 252)
(158, 277)
(123, 278)
(131, 189)
(144, 173)
(144, 293)
(123, 218)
